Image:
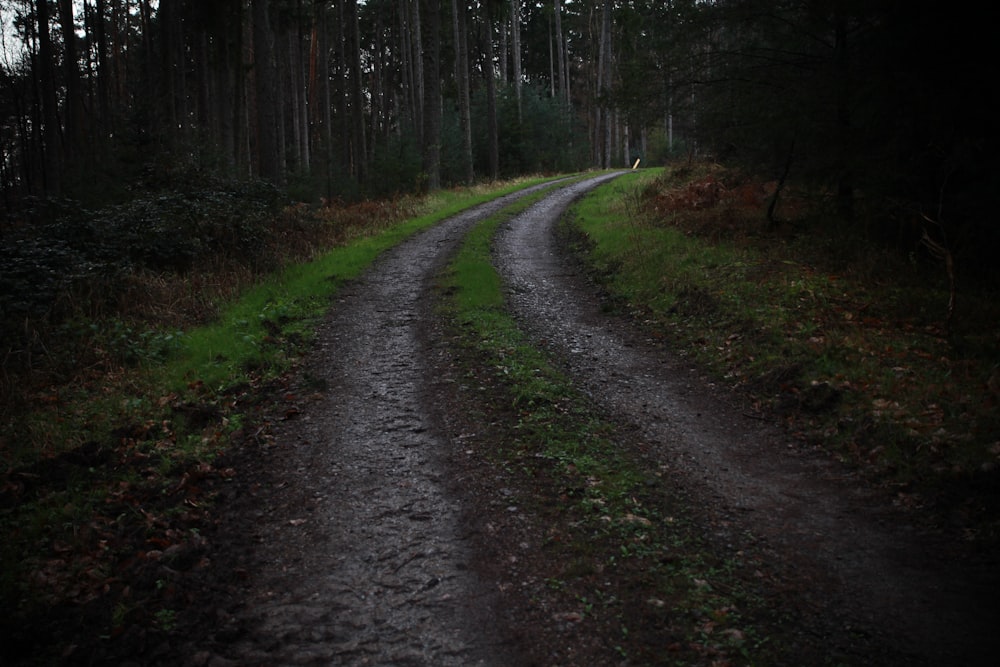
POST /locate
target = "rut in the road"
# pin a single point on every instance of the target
(859, 571)
(363, 560)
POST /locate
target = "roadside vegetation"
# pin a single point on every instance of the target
(852, 343)
(125, 384)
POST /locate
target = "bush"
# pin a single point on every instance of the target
(70, 251)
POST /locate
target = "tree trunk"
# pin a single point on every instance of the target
(378, 92)
(515, 38)
(503, 56)
(432, 94)
(228, 100)
(208, 130)
(51, 149)
(283, 91)
(417, 61)
(105, 117)
(357, 99)
(302, 118)
(270, 166)
(74, 124)
(149, 88)
(562, 58)
(327, 99)
(552, 62)
(173, 70)
(290, 81)
(845, 178)
(462, 79)
(341, 92)
(491, 96)
(602, 111)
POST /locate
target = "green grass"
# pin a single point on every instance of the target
(608, 511)
(842, 340)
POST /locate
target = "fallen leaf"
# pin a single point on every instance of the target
(569, 616)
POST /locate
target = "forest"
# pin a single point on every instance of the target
(138, 134)
(814, 192)
(103, 100)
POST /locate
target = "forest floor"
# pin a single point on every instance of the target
(363, 516)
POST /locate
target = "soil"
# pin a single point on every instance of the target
(365, 523)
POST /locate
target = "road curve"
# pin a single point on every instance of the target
(360, 557)
(858, 565)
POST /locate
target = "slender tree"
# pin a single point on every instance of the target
(515, 33)
(432, 93)
(360, 149)
(562, 57)
(601, 126)
(48, 100)
(459, 11)
(489, 74)
(270, 163)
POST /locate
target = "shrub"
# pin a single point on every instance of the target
(69, 251)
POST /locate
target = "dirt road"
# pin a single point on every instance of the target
(348, 547)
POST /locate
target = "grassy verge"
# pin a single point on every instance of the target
(621, 557)
(841, 339)
(289, 303)
(106, 469)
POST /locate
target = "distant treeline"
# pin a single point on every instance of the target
(879, 105)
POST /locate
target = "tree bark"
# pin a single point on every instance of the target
(603, 112)
(326, 95)
(605, 66)
(417, 60)
(462, 79)
(51, 149)
(562, 58)
(357, 100)
(270, 165)
(105, 117)
(515, 38)
(845, 179)
(489, 72)
(432, 94)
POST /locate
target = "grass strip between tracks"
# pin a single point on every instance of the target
(623, 556)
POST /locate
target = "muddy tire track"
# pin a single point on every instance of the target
(866, 582)
(360, 558)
